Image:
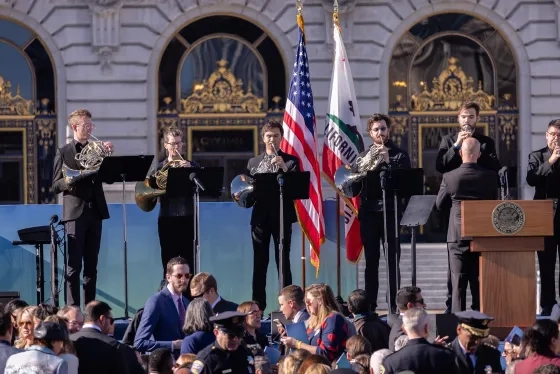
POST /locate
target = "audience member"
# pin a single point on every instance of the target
(292, 304)
(198, 329)
(360, 363)
(97, 352)
(366, 322)
(377, 358)
(252, 324)
(73, 316)
(185, 360)
(48, 340)
(311, 360)
(163, 318)
(14, 308)
(262, 365)
(547, 369)
(6, 331)
(407, 298)
(541, 346)
(160, 361)
(318, 369)
(205, 285)
(67, 352)
(26, 324)
(401, 342)
(356, 346)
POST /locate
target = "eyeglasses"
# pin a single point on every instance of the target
(554, 134)
(25, 323)
(87, 125)
(180, 276)
(174, 144)
(253, 312)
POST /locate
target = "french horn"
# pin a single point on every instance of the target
(90, 159)
(348, 178)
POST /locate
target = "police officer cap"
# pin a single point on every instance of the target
(475, 322)
(229, 322)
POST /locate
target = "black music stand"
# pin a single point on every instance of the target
(39, 265)
(193, 183)
(272, 187)
(507, 178)
(124, 169)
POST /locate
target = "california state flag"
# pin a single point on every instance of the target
(343, 140)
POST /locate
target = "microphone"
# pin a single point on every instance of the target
(383, 178)
(54, 219)
(194, 179)
(280, 179)
(503, 175)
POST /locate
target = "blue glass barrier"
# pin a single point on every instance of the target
(226, 252)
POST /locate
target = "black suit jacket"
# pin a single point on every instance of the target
(269, 211)
(448, 158)
(539, 170)
(225, 306)
(395, 322)
(178, 206)
(87, 190)
(421, 357)
(98, 353)
(398, 159)
(372, 328)
(468, 182)
(484, 356)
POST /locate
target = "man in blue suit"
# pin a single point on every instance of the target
(163, 318)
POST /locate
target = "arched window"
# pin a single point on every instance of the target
(27, 119)
(220, 78)
(438, 63)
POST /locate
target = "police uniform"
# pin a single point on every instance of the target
(215, 359)
(476, 323)
(420, 357)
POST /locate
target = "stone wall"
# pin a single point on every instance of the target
(106, 54)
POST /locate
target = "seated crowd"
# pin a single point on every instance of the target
(187, 327)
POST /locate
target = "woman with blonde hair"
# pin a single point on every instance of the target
(67, 352)
(26, 323)
(327, 330)
(318, 369)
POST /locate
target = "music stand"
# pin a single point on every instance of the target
(192, 183)
(507, 177)
(552, 190)
(39, 265)
(271, 187)
(124, 169)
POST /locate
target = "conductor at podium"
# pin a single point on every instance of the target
(265, 218)
(543, 163)
(83, 206)
(470, 181)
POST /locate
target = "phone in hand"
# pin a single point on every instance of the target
(279, 323)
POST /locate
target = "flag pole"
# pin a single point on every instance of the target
(337, 207)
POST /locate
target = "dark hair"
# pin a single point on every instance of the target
(14, 305)
(358, 302)
(377, 117)
(272, 124)
(406, 295)
(175, 261)
(468, 105)
(294, 293)
(5, 322)
(538, 338)
(554, 123)
(95, 309)
(160, 361)
(547, 369)
(45, 310)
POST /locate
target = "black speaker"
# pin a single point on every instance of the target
(446, 325)
(6, 297)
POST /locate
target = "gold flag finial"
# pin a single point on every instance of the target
(335, 14)
(299, 17)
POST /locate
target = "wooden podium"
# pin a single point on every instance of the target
(507, 243)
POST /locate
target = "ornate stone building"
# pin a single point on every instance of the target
(220, 68)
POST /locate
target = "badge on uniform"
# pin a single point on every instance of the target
(197, 367)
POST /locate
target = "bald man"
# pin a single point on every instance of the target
(469, 181)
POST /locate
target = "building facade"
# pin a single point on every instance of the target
(219, 69)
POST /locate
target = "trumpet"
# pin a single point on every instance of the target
(145, 195)
(242, 185)
(346, 177)
(90, 159)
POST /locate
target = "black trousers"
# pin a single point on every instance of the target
(372, 234)
(261, 250)
(464, 268)
(547, 265)
(84, 240)
(176, 235)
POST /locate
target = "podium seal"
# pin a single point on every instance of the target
(508, 218)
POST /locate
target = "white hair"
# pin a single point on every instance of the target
(415, 320)
(376, 359)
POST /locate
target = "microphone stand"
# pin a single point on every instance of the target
(280, 179)
(196, 226)
(385, 242)
(54, 265)
(396, 238)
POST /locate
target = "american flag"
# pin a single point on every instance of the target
(300, 139)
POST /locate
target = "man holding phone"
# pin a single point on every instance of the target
(292, 306)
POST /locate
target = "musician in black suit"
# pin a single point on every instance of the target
(543, 166)
(468, 182)
(448, 157)
(83, 209)
(265, 218)
(472, 354)
(370, 212)
(176, 214)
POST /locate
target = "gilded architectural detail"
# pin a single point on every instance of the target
(46, 131)
(221, 93)
(11, 105)
(276, 100)
(167, 108)
(399, 130)
(450, 89)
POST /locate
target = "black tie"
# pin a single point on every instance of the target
(469, 362)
